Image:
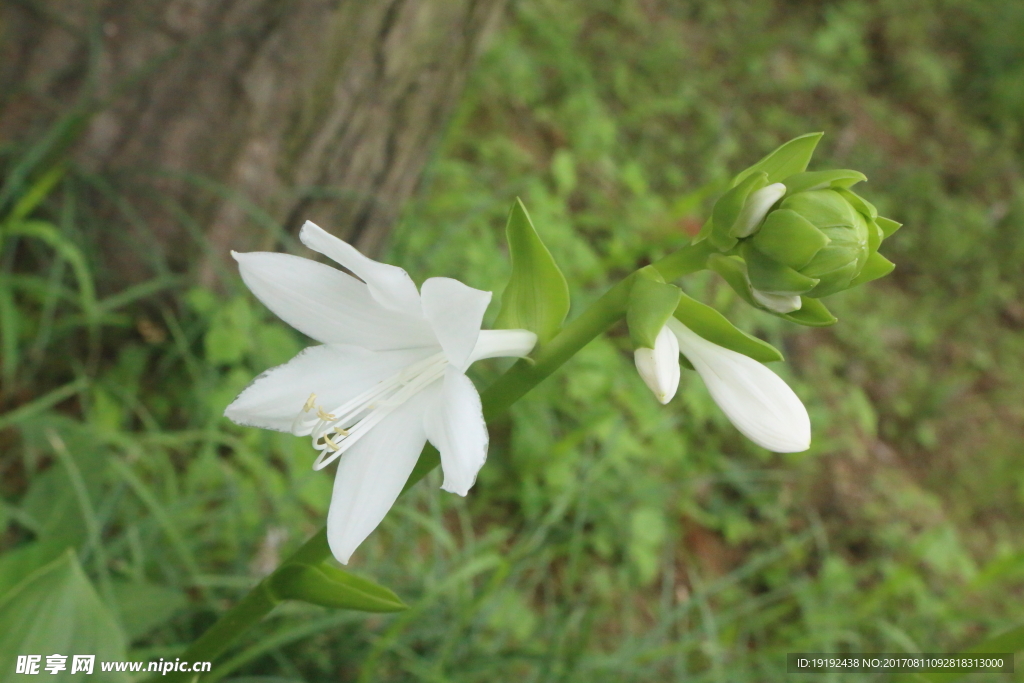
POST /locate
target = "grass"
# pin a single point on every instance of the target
(608, 539)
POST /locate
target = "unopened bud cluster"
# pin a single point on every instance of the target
(807, 235)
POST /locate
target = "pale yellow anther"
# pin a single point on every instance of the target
(326, 417)
(310, 402)
(331, 444)
(343, 432)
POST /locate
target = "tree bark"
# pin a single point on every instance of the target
(307, 109)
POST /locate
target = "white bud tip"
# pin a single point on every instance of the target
(780, 303)
(659, 367)
(756, 208)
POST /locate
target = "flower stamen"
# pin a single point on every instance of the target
(333, 433)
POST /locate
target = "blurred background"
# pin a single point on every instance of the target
(608, 538)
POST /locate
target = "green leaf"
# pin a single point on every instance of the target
(537, 296)
(17, 564)
(49, 234)
(822, 180)
(888, 226)
(10, 331)
(330, 586)
(651, 304)
(56, 610)
(716, 328)
(788, 159)
(789, 238)
(36, 194)
(144, 606)
(876, 266)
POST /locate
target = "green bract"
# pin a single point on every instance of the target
(716, 328)
(801, 235)
(651, 304)
(537, 295)
(323, 584)
(734, 271)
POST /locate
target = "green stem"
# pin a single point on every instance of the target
(497, 398)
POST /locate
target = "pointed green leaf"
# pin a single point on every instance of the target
(788, 159)
(821, 180)
(888, 226)
(789, 238)
(330, 586)
(716, 328)
(537, 296)
(768, 275)
(651, 304)
(56, 610)
(40, 189)
(877, 266)
(48, 233)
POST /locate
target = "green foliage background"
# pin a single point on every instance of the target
(608, 538)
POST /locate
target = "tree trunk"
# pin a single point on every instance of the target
(307, 109)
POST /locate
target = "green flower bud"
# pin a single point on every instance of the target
(816, 243)
(789, 236)
(820, 239)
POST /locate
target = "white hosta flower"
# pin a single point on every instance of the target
(754, 398)
(388, 375)
(659, 367)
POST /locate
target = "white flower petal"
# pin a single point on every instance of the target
(334, 372)
(455, 425)
(754, 398)
(326, 304)
(372, 473)
(389, 285)
(756, 208)
(659, 367)
(503, 343)
(455, 311)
